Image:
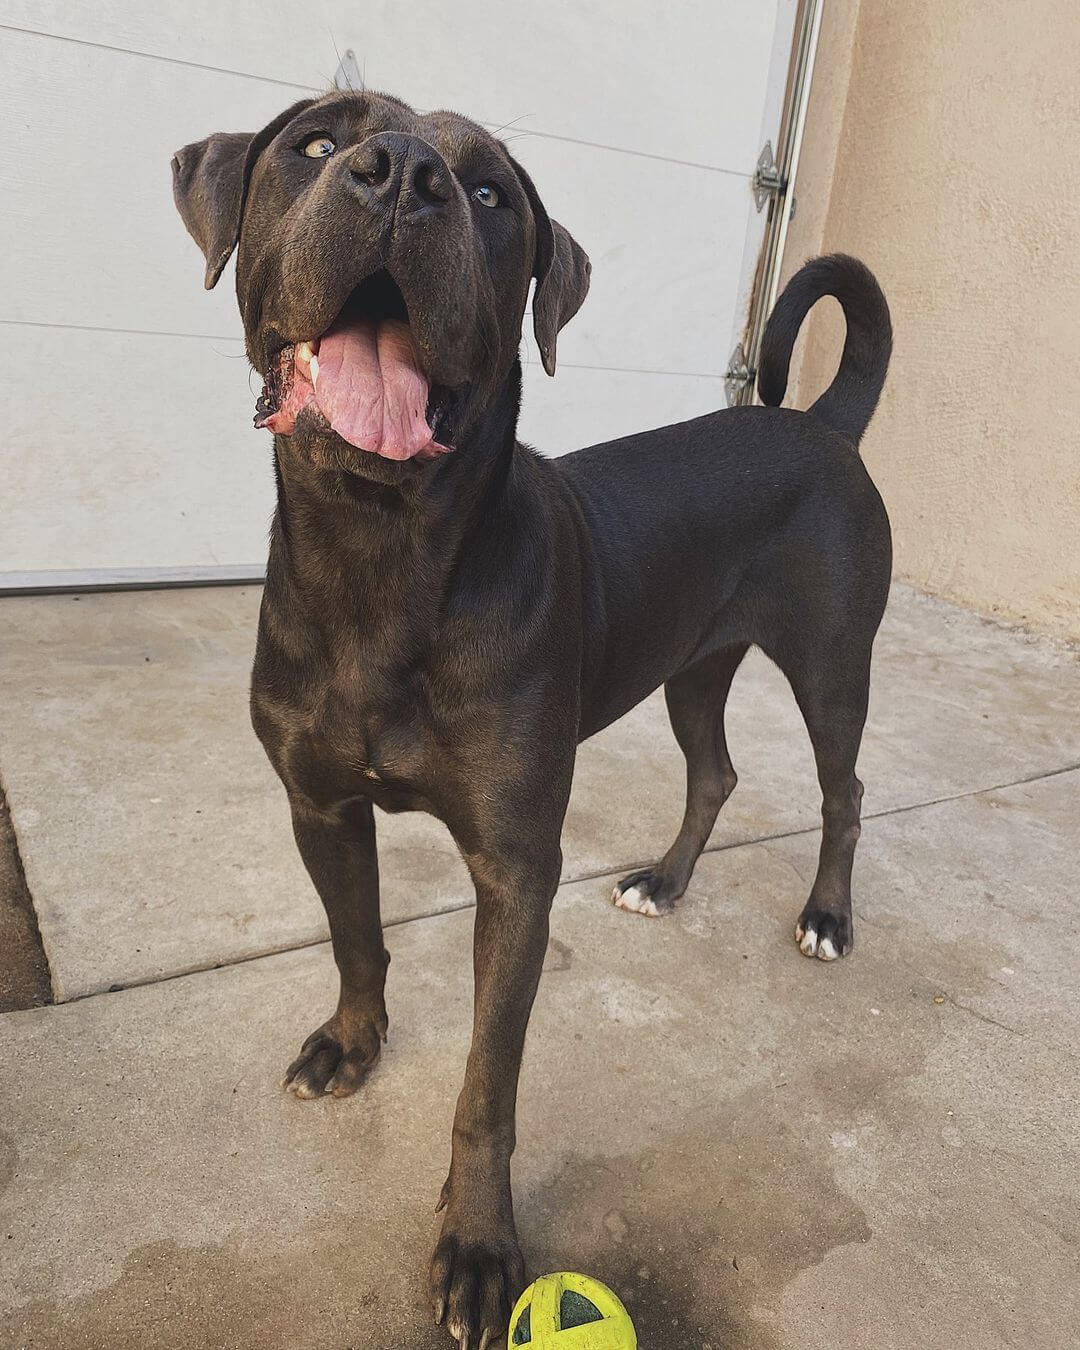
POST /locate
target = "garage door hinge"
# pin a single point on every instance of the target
(737, 377)
(767, 181)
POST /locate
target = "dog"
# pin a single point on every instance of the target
(447, 614)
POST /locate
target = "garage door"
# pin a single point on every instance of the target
(127, 442)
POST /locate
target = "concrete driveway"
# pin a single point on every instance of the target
(754, 1149)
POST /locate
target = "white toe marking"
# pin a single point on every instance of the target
(808, 945)
(827, 952)
(635, 900)
(798, 932)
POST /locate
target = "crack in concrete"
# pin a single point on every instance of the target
(1004, 1026)
(954, 1002)
(816, 829)
(617, 870)
(779, 857)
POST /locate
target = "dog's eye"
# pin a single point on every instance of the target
(319, 148)
(486, 195)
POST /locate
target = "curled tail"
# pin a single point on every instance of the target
(849, 402)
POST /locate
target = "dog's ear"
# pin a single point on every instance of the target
(561, 269)
(210, 181)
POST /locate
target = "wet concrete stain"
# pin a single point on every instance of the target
(9, 1157)
(312, 1295)
(700, 1232)
(559, 956)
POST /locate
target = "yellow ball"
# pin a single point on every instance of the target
(570, 1312)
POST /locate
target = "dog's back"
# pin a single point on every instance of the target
(716, 521)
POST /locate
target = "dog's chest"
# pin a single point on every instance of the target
(347, 736)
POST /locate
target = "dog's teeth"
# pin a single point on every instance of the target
(313, 366)
(304, 351)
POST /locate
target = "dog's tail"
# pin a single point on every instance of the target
(849, 402)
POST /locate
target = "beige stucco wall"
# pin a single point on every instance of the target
(943, 147)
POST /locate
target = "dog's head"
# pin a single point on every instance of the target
(383, 267)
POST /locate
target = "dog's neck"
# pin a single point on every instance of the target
(386, 547)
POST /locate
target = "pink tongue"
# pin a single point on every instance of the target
(370, 389)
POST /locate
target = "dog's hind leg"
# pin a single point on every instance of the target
(696, 699)
(832, 689)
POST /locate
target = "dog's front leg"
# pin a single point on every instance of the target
(477, 1270)
(338, 848)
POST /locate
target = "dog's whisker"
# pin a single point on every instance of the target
(337, 51)
(513, 122)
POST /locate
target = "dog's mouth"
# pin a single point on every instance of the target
(364, 378)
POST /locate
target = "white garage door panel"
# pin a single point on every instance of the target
(653, 303)
(583, 407)
(102, 245)
(117, 481)
(87, 193)
(131, 446)
(682, 81)
(143, 453)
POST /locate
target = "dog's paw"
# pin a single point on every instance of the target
(824, 933)
(335, 1059)
(473, 1286)
(648, 893)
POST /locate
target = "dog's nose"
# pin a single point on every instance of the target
(392, 169)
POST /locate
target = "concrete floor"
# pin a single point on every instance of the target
(24, 972)
(755, 1149)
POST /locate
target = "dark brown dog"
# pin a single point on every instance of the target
(447, 614)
